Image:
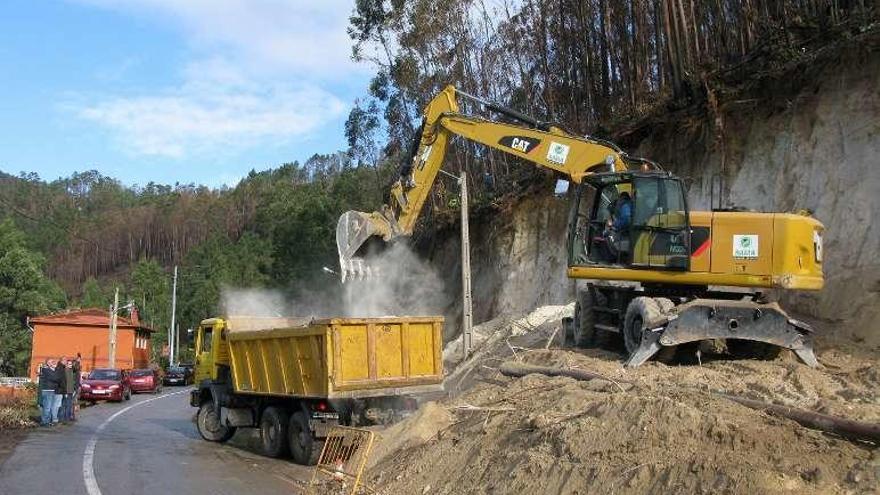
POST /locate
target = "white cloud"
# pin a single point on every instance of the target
(215, 108)
(271, 35)
(236, 90)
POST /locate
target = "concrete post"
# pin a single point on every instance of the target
(467, 303)
(113, 312)
(172, 340)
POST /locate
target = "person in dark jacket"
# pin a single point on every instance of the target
(77, 384)
(69, 387)
(59, 388)
(47, 385)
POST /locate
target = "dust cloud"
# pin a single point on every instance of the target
(401, 284)
(254, 302)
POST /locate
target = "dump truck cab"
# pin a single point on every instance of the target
(207, 353)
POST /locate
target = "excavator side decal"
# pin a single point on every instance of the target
(520, 143)
(745, 246)
(558, 152)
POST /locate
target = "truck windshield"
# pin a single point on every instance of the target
(206, 340)
(104, 375)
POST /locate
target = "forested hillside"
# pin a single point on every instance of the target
(593, 66)
(89, 234)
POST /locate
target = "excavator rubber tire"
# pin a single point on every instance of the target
(273, 432)
(666, 305)
(666, 354)
(643, 314)
(585, 332)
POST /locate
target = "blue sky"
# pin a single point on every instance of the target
(173, 90)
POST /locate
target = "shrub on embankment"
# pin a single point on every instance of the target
(17, 408)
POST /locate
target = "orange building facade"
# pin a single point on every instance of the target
(87, 332)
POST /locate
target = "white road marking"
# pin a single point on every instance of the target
(89, 454)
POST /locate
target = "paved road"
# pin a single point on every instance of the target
(146, 446)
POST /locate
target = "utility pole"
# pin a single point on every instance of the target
(467, 303)
(113, 315)
(173, 332)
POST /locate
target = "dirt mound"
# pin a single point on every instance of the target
(415, 430)
(665, 433)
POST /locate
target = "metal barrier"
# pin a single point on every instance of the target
(343, 459)
(14, 381)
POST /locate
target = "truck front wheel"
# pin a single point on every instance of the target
(209, 426)
(304, 448)
(273, 432)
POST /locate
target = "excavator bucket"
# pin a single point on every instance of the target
(353, 230)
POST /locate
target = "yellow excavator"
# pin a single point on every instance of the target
(656, 273)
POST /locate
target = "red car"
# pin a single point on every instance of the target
(106, 384)
(145, 381)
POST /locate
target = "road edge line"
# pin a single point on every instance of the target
(89, 478)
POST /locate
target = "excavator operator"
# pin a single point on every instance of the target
(617, 228)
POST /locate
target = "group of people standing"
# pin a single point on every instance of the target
(59, 384)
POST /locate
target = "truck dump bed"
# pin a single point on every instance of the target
(336, 357)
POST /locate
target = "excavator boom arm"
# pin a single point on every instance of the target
(544, 146)
(548, 147)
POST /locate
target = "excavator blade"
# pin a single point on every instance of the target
(704, 319)
(353, 230)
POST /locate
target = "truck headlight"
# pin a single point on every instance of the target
(817, 245)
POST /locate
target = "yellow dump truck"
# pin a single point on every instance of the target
(294, 378)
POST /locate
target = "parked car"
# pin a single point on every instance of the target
(176, 375)
(145, 380)
(190, 372)
(106, 384)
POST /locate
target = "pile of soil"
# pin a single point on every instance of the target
(663, 433)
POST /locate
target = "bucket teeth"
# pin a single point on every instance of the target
(357, 269)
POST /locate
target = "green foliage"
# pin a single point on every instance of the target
(24, 290)
(150, 290)
(360, 130)
(94, 296)
(275, 229)
(214, 265)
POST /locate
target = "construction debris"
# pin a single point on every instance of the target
(656, 429)
(847, 428)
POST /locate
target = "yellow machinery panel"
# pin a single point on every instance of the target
(742, 243)
(338, 357)
(797, 263)
(376, 353)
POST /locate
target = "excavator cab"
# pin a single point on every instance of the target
(630, 220)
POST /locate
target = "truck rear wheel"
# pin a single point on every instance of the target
(304, 447)
(273, 432)
(209, 426)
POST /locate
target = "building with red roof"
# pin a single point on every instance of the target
(87, 332)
